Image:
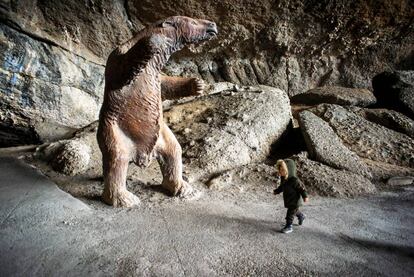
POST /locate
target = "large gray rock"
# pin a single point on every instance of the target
(383, 171)
(401, 181)
(79, 155)
(327, 181)
(232, 129)
(336, 95)
(72, 158)
(45, 91)
(368, 139)
(326, 147)
(388, 118)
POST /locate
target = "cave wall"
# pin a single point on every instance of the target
(53, 52)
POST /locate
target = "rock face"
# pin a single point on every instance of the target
(288, 44)
(395, 90)
(91, 29)
(327, 181)
(326, 147)
(382, 171)
(367, 139)
(45, 91)
(388, 118)
(373, 143)
(232, 129)
(336, 95)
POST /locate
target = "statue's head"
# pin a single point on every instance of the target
(188, 30)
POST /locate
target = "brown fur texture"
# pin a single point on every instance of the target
(131, 126)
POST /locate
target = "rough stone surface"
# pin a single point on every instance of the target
(395, 90)
(388, 118)
(367, 139)
(326, 147)
(91, 29)
(327, 181)
(336, 95)
(232, 129)
(221, 181)
(44, 90)
(400, 181)
(383, 171)
(72, 158)
(287, 44)
(84, 149)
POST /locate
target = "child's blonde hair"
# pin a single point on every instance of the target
(282, 164)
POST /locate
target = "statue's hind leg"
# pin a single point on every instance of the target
(169, 153)
(115, 158)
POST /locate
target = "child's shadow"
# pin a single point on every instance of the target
(251, 225)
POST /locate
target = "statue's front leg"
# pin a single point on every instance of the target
(177, 87)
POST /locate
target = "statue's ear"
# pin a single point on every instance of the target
(167, 23)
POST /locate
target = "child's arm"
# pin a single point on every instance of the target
(278, 190)
(300, 187)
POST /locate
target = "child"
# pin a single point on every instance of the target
(293, 190)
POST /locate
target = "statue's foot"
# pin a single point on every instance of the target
(122, 198)
(187, 192)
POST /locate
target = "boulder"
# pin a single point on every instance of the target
(388, 118)
(79, 155)
(336, 95)
(400, 181)
(395, 90)
(367, 139)
(227, 130)
(326, 147)
(383, 171)
(327, 181)
(46, 92)
(72, 158)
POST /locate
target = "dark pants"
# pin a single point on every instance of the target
(290, 215)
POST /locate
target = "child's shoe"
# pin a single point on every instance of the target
(301, 218)
(287, 229)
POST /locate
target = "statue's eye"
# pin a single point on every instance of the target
(193, 22)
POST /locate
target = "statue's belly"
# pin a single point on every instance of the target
(140, 117)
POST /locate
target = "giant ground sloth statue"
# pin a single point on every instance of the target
(131, 126)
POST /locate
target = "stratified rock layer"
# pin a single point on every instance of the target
(45, 90)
